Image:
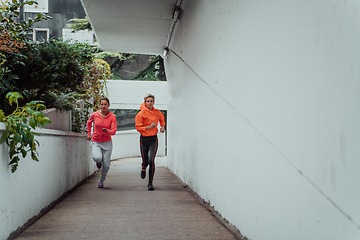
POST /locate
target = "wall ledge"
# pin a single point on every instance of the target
(51, 132)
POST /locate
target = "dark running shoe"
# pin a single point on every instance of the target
(150, 187)
(100, 185)
(143, 174)
(99, 165)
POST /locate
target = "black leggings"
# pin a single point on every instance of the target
(148, 148)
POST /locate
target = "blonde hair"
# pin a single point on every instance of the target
(149, 95)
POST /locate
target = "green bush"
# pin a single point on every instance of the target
(52, 66)
(13, 35)
(20, 125)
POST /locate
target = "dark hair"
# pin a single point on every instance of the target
(104, 98)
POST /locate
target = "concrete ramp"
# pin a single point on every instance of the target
(125, 209)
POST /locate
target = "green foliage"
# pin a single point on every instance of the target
(119, 56)
(80, 115)
(13, 33)
(79, 24)
(56, 72)
(67, 102)
(60, 73)
(154, 72)
(13, 37)
(19, 134)
(94, 87)
(115, 75)
(48, 69)
(86, 96)
(95, 84)
(10, 11)
(52, 65)
(114, 59)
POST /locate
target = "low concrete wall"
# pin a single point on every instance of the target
(126, 144)
(65, 160)
(60, 120)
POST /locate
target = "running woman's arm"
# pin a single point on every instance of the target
(113, 126)
(139, 123)
(88, 125)
(162, 122)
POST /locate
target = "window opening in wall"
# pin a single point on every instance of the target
(30, 35)
(129, 66)
(40, 33)
(125, 118)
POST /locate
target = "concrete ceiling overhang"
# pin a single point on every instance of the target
(131, 26)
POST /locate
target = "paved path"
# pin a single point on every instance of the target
(125, 209)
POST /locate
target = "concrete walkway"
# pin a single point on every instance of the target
(125, 209)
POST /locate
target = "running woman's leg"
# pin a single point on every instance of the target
(144, 149)
(152, 152)
(106, 152)
(96, 152)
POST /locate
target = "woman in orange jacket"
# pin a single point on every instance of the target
(101, 144)
(146, 122)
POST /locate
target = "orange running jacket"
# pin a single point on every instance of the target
(145, 117)
(109, 122)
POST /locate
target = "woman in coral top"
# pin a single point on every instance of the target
(101, 143)
(146, 122)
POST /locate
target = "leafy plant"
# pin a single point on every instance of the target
(9, 53)
(13, 37)
(80, 115)
(10, 11)
(87, 95)
(114, 59)
(53, 65)
(79, 24)
(154, 72)
(20, 125)
(95, 84)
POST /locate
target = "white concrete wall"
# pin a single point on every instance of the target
(64, 161)
(60, 120)
(264, 120)
(84, 36)
(129, 94)
(126, 144)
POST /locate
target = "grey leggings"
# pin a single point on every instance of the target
(101, 151)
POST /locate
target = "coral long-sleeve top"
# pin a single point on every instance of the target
(109, 122)
(145, 117)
